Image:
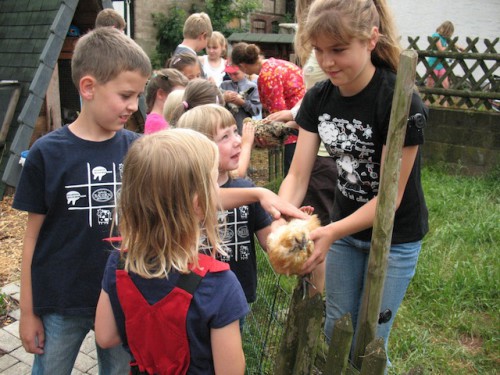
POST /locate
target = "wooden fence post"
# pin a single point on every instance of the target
(375, 358)
(385, 210)
(340, 346)
(303, 327)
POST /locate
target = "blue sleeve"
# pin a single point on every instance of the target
(30, 191)
(224, 299)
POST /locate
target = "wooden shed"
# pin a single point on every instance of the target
(37, 94)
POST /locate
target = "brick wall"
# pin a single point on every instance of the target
(145, 32)
(466, 141)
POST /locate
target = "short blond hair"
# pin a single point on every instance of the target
(104, 53)
(206, 119)
(168, 202)
(110, 18)
(197, 24)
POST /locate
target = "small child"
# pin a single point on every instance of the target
(158, 89)
(187, 64)
(110, 18)
(241, 223)
(213, 63)
(69, 186)
(174, 309)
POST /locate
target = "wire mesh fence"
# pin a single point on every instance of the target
(265, 323)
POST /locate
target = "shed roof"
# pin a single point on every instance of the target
(261, 38)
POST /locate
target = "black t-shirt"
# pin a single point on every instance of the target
(354, 130)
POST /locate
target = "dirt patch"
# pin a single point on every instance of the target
(473, 344)
(12, 227)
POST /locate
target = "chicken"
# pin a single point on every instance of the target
(289, 246)
(270, 133)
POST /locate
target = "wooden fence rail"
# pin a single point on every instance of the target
(473, 75)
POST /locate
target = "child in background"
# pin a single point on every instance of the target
(196, 32)
(356, 45)
(174, 309)
(68, 186)
(213, 63)
(187, 64)
(158, 89)
(198, 91)
(248, 106)
(280, 84)
(443, 34)
(238, 225)
(110, 18)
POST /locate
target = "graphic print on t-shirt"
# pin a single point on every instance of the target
(97, 195)
(234, 233)
(350, 143)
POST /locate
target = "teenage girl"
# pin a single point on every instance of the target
(169, 193)
(213, 62)
(187, 64)
(356, 45)
(280, 84)
(161, 84)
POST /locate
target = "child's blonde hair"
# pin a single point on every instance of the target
(446, 29)
(105, 52)
(168, 195)
(171, 104)
(219, 39)
(166, 80)
(110, 18)
(198, 91)
(197, 24)
(206, 119)
(343, 20)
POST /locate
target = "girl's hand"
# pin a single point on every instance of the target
(278, 207)
(307, 209)
(322, 238)
(247, 133)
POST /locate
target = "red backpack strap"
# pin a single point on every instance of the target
(209, 264)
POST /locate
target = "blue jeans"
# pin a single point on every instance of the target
(346, 267)
(63, 337)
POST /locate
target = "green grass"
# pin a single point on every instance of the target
(450, 318)
(449, 321)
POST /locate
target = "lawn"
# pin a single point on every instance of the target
(449, 321)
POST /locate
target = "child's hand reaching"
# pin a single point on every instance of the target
(247, 134)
